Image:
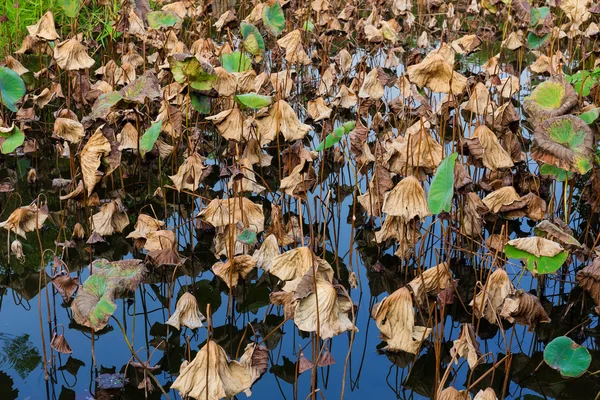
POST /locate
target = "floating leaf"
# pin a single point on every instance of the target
(149, 138)
(187, 69)
(543, 256)
(442, 186)
(253, 100)
(11, 138)
(12, 88)
(94, 304)
(336, 135)
(162, 19)
(567, 357)
(274, 19)
(590, 116)
(236, 62)
(566, 142)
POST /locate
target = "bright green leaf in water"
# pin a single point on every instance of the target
(253, 100)
(11, 138)
(149, 138)
(559, 174)
(274, 19)
(12, 88)
(69, 7)
(442, 186)
(188, 69)
(567, 357)
(535, 42)
(253, 40)
(236, 62)
(336, 135)
(162, 19)
(590, 116)
(541, 265)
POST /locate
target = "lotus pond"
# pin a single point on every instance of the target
(302, 200)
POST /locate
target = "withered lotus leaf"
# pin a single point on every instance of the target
(25, 219)
(69, 130)
(494, 156)
(44, 29)
(479, 101)
(212, 375)
(451, 393)
(186, 313)
(229, 123)
(472, 220)
(395, 318)
(491, 296)
(537, 246)
(371, 87)
(144, 225)
(189, 174)
(589, 279)
(234, 270)
(59, 343)
(264, 256)
(159, 240)
(110, 219)
(560, 234)
(414, 153)
(487, 394)
(318, 109)
(71, 55)
(566, 142)
(294, 52)
(430, 281)
(96, 147)
(222, 212)
(467, 346)
(324, 310)
(437, 74)
(294, 264)
(500, 198)
(552, 98)
(281, 118)
(525, 309)
(406, 200)
(65, 285)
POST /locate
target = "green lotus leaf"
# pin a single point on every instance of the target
(253, 100)
(253, 40)
(11, 138)
(149, 137)
(590, 116)
(538, 14)
(162, 19)
(104, 104)
(441, 189)
(94, 304)
(559, 174)
(201, 103)
(551, 98)
(248, 236)
(584, 80)
(567, 357)
(12, 88)
(535, 42)
(188, 69)
(274, 19)
(236, 62)
(543, 256)
(566, 142)
(336, 135)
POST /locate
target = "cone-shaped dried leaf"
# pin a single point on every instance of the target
(436, 74)
(281, 119)
(71, 55)
(430, 282)
(525, 309)
(144, 225)
(487, 394)
(25, 219)
(230, 124)
(294, 52)
(59, 343)
(189, 173)
(406, 200)
(230, 211)
(491, 296)
(212, 376)
(371, 87)
(65, 285)
(186, 313)
(69, 130)
(45, 28)
(560, 234)
(264, 256)
(566, 142)
(414, 153)
(500, 198)
(395, 318)
(466, 346)
(93, 151)
(294, 264)
(110, 219)
(234, 270)
(326, 310)
(494, 156)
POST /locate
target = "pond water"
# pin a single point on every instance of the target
(31, 309)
